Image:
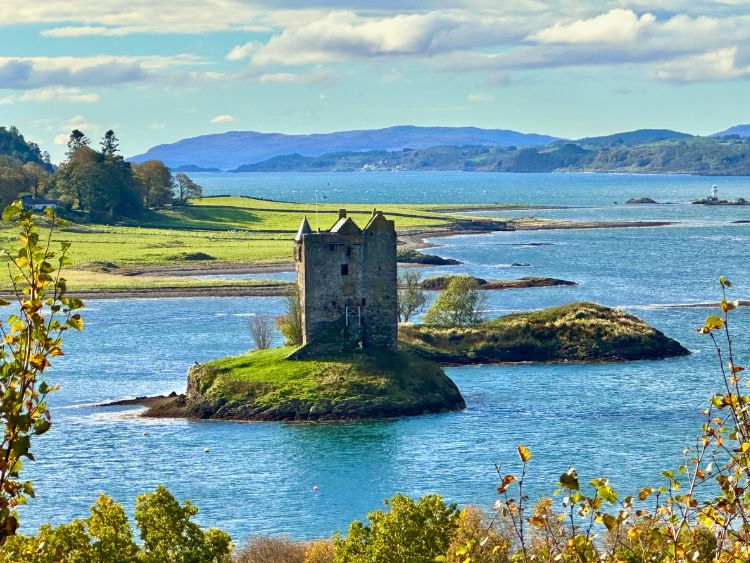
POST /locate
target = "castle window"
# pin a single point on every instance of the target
(344, 269)
(333, 303)
(348, 250)
(332, 247)
(364, 301)
(299, 254)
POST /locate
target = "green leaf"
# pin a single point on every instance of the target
(11, 211)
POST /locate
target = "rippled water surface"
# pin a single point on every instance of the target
(625, 421)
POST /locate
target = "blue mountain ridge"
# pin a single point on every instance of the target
(234, 148)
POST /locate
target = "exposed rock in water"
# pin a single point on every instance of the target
(412, 256)
(646, 200)
(578, 332)
(264, 385)
(441, 282)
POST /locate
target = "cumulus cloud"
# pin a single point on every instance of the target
(342, 35)
(223, 118)
(59, 94)
(721, 64)
(615, 26)
(243, 51)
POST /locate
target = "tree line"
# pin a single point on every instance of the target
(96, 183)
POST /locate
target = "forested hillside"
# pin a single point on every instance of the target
(687, 155)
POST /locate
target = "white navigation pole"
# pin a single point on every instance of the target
(714, 192)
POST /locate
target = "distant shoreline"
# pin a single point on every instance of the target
(414, 240)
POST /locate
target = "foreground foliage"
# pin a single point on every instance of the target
(30, 337)
(167, 533)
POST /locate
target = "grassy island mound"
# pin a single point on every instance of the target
(577, 332)
(264, 385)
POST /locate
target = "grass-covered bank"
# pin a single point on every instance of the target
(577, 332)
(264, 385)
(217, 233)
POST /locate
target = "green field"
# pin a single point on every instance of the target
(230, 230)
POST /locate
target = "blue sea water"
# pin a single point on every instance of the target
(624, 421)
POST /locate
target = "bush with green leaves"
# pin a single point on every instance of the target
(167, 532)
(414, 531)
(459, 304)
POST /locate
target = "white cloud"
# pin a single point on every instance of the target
(223, 118)
(341, 35)
(7, 100)
(479, 97)
(59, 94)
(156, 125)
(715, 65)
(615, 26)
(243, 51)
(61, 139)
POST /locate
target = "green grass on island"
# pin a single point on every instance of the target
(578, 332)
(264, 385)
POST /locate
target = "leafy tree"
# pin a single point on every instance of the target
(415, 531)
(77, 140)
(30, 338)
(459, 304)
(157, 181)
(103, 187)
(290, 325)
(411, 296)
(36, 177)
(17, 178)
(110, 145)
(170, 535)
(186, 188)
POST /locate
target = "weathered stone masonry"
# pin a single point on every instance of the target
(347, 284)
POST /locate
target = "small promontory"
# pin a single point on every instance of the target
(265, 385)
(577, 332)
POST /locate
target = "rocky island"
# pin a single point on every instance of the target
(266, 385)
(577, 332)
(438, 283)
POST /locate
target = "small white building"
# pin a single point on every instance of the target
(38, 203)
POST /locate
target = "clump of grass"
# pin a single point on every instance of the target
(191, 256)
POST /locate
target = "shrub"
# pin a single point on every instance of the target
(459, 304)
(279, 549)
(414, 531)
(290, 325)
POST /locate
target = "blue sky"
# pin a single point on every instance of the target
(157, 70)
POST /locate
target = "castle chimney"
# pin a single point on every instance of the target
(342, 213)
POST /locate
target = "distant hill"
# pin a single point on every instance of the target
(741, 130)
(632, 138)
(689, 155)
(236, 148)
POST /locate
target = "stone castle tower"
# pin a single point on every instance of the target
(347, 285)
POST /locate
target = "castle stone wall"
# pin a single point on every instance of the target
(347, 284)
